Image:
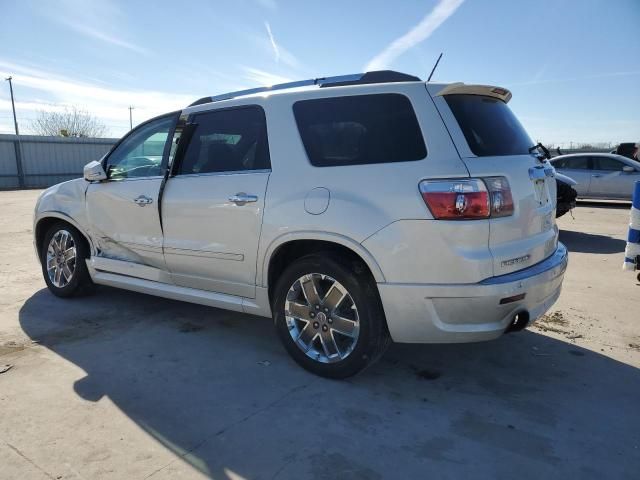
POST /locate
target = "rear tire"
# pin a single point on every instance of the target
(62, 256)
(329, 316)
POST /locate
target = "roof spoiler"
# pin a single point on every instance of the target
(485, 90)
(379, 76)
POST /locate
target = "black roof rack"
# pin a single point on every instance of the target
(379, 76)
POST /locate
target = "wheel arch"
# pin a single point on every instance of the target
(294, 245)
(44, 221)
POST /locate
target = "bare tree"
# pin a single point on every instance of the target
(73, 122)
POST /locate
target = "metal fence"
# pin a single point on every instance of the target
(31, 161)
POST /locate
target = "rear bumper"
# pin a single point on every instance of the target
(436, 313)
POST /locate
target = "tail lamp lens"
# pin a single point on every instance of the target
(456, 199)
(501, 199)
(467, 199)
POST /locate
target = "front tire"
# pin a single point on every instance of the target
(329, 316)
(63, 253)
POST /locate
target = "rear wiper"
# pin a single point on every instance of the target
(539, 146)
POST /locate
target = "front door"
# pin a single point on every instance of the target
(213, 202)
(610, 180)
(123, 210)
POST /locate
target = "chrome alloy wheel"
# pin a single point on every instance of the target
(61, 258)
(322, 318)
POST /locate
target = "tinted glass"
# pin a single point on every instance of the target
(489, 126)
(359, 130)
(575, 163)
(227, 141)
(606, 163)
(140, 154)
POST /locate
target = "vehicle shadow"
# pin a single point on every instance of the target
(584, 242)
(217, 390)
(617, 204)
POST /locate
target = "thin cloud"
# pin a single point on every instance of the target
(103, 21)
(43, 90)
(274, 45)
(280, 54)
(262, 77)
(416, 35)
(99, 35)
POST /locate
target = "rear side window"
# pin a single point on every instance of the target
(227, 141)
(489, 126)
(361, 129)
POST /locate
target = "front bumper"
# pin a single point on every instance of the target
(436, 313)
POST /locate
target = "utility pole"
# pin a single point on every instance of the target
(16, 144)
(13, 106)
(131, 117)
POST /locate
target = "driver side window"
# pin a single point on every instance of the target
(140, 154)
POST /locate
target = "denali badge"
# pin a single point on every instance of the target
(514, 261)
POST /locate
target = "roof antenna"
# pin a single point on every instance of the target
(434, 68)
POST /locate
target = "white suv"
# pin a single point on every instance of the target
(354, 210)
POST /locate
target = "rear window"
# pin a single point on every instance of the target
(360, 129)
(489, 126)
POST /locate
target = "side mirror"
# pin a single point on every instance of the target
(93, 172)
(628, 169)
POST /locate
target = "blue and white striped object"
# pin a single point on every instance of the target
(632, 252)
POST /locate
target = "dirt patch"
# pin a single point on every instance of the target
(10, 347)
(550, 320)
(553, 322)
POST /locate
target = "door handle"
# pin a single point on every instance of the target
(142, 200)
(241, 198)
(596, 175)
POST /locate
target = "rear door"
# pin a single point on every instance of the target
(578, 167)
(492, 143)
(213, 203)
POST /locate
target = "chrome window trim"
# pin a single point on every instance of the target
(132, 179)
(220, 174)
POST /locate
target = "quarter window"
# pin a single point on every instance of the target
(360, 129)
(140, 154)
(227, 141)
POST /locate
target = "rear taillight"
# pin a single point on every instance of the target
(456, 199)
(467, 199)
(501, 199)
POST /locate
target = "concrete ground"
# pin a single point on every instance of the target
(127, 386)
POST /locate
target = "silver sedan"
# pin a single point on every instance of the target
(600, 175)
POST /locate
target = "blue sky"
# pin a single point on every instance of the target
(573, 66)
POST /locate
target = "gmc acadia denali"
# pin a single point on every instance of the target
(354, 210)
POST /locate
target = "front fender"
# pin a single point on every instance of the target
(65, 201)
